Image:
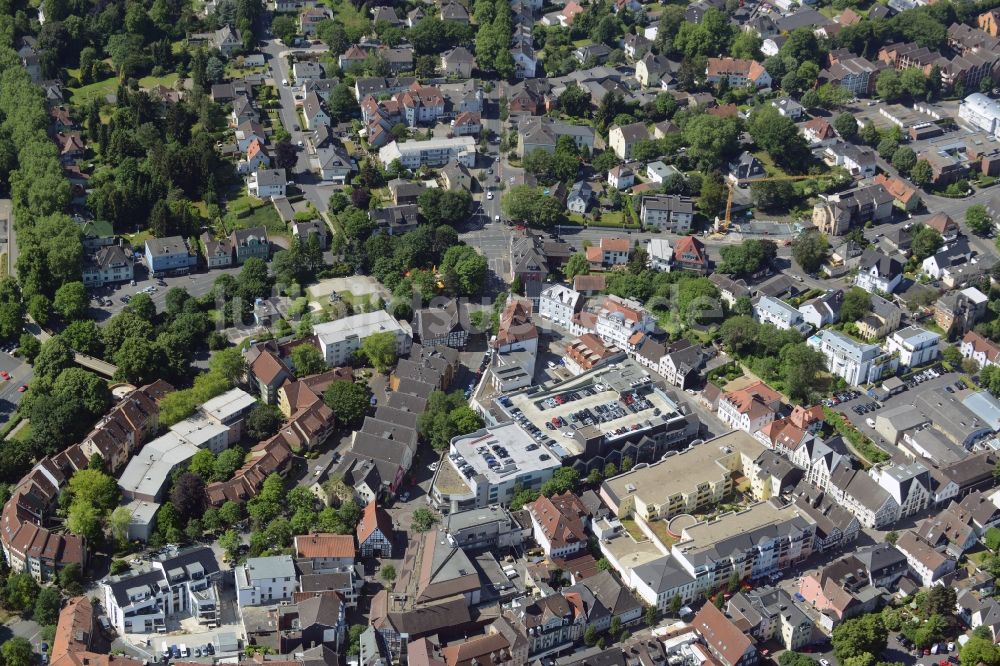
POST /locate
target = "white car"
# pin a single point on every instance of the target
(433, 466)
(284, 82)
(489, 195)
(405, 497)
(824, 662)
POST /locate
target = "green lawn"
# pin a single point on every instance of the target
(138, 240)
(247, 212)
(167, 81)
(86, 94)
(23, 434)
(633, 529)
(347, 15)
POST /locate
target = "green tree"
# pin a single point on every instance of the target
(847, 125)
(71, 579)
(809, 251)
(380, 350)
(284, 28)
(856, 305)
(978, 220)
(264, 421)
(20, 592)
(17, 651)
(859, 635)
(650, 615)
(308, 360)
(675, 605)
(47, 604)
(564, 480)
(904, 159)
(348, 400)
(712, 196)
(71, 300)
(801, 366)
(119, 522)
(423, 519)
(922, 173)
(925, 241)
(978, 650)
(576, 265)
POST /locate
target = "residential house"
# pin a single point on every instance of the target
(944, 225)
(873, 506)
(777, 313)
(788, 107)
(169, 255)
(855, 362)
(458, 61)
(883, 318)
(375, 533)
(749, 409)
(946, 258)
(690, 255)
(960, 310)
(621, 177)
(263, 580)
(661, 254)
(822, 310)
(248, 243)
(860, 161)
(267, 183)
(326, 552)
(441, 325)
(916, 346)
(596, 54)
(671, 212)
(636, 46)
(313, 112)
(307, 70)
(818, 132)
(579, 198)
(623, 322)
(107, 265)
(737, 72)
(680, 366)
(927, 563)
(609, 252)
(621, 138)
(980, 349)
(905, 196)
(747, 166)
(467, 123)
(558, 303)
(559, 524)
(727, 643)
(395, 220)
(770, 613)
(878, 273)
(651, 69)
(534, 133)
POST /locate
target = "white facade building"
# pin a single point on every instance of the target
(558, 303)
(981, 112)
(263, 580)
(338, 340)
(433, 152)
(915, 346)
(619, 319)
(855, 362)
(781, 315)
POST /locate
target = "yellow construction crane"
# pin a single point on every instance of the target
(722, 225)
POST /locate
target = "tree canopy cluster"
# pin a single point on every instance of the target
(447, 415)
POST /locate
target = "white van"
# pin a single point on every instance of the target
(510, 572)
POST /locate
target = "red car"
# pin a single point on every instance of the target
(5, 375)
(22, 388)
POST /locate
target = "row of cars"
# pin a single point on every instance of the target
(841, 396)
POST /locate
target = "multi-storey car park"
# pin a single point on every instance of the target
(602, 416)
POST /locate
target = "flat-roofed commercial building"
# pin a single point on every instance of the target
(683, 482)
(609, 413)
(483, 468)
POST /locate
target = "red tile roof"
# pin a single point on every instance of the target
(374, 518)
(325, 545)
